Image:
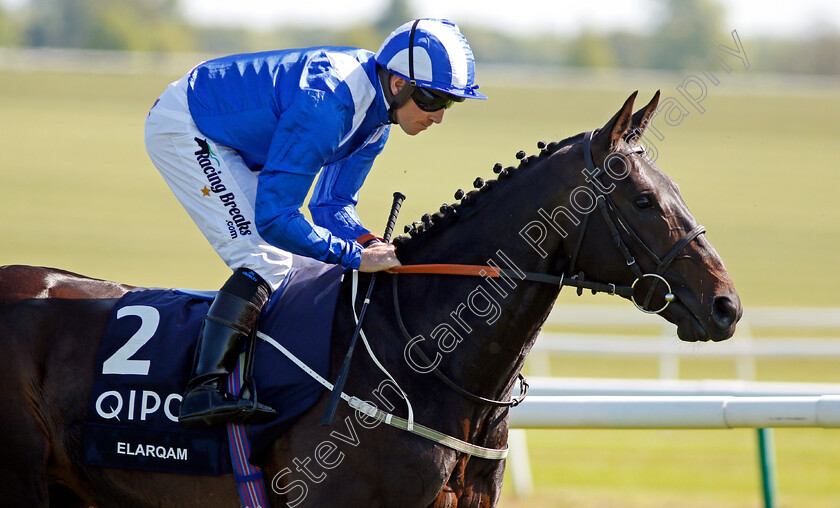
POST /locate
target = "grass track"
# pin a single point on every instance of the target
(757, 169)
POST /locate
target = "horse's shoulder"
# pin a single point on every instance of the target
(18, 282)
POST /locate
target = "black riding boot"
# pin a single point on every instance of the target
(229, 322)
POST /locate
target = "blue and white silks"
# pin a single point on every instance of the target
(290, 113)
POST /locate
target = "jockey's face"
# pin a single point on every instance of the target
(411, 118)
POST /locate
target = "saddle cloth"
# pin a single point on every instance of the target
(144, 362)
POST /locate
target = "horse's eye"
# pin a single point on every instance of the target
(643, 202)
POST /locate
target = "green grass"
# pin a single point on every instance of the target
(758, 170)
(685, 468)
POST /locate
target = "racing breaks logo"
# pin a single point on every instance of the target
(205, 157)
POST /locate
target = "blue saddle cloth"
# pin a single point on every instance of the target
(144, 363)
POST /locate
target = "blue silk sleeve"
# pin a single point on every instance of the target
(333, 202)
(306, 136)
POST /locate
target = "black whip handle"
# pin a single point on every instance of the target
(344, 370)
(399, 197)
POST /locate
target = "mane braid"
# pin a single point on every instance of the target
(432, 224)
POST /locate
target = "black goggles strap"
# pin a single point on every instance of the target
(397, 102)
(411, 80)
(405, 94)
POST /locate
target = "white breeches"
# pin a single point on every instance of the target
(214, 185)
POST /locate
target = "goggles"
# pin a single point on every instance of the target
(431, 100)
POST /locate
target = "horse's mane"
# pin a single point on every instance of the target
(432, 224)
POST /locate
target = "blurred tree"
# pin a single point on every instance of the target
(630, 50)
(138, 25)
(688, 28)
(821, 54)
(395, 14)
(226, 40)
(56, 23)
(818, 54)
(364, 36)
(103, 24)
(9, 32)
(592, 50)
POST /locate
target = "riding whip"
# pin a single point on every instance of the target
(341, 379)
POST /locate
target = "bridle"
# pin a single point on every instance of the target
(614, 220)
(523, 383)
(612, 216)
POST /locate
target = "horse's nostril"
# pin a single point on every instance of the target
(724, 312)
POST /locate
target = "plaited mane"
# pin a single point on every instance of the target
(430, 224)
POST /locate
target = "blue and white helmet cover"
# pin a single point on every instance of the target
(443, 59)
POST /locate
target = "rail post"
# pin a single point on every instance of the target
(767, 458)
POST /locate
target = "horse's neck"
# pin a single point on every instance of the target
(482, 328)
(477, 331)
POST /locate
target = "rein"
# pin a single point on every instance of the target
(608, 211)
(492, 271)
(605, 205)
(515, 401)
(612, 216)
(408, 425)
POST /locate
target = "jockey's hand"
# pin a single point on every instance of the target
(378, 256)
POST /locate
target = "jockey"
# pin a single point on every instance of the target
(240, 140)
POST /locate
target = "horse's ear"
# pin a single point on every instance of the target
(609, 134)
(642, 117)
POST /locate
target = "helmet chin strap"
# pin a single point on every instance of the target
(398, 100)
(395, 102)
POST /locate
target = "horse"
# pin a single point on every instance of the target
(553, 214)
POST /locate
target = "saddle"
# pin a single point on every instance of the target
(144, 361)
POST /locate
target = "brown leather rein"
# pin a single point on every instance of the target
(492, 271)
(615, 221)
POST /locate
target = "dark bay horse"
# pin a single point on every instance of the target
(477, 330)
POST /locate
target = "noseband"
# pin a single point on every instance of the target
(612, 216)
